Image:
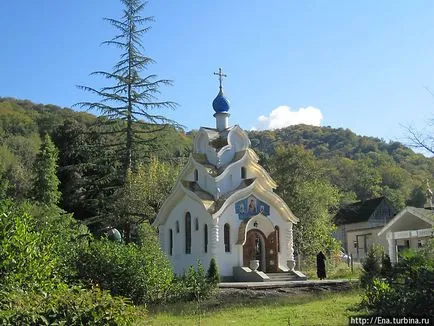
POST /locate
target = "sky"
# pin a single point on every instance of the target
(362, 65)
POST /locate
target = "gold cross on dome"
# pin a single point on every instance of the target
(221, 75)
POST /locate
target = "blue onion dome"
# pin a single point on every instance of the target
(220, 103)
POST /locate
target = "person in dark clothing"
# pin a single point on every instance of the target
(320, 266)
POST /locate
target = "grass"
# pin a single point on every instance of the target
(304, 309)
(337, 271)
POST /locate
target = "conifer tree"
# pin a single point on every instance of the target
(131, 111)
(132, 95)
(46, 181)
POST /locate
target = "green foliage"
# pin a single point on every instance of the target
(27, 260)
(213, 274)
(409, 288)
(39, 246)
(141, 273)
(386, 266)
(144, 192)
(68, 236)
(64, 306)
(46, 183)
(371, 266)
(130, 104)
(309, 195)
(365, 166)
(193, 285)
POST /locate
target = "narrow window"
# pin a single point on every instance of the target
(196, 175)
(196, 224)
(170, 242)
(205, 236)
(243, 172)
(177, 226)
(277, 237)
(188, 233)
(227, 238)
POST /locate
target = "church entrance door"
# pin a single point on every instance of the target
(254, 249)
(259, 247)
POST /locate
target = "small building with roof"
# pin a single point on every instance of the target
(223, 207)
(358, 225)
(411, 228)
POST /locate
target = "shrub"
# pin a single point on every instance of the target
(408, 291)
(27, 260)
(193, 285)
(386, 266)
(65, 306)
(141, 273)
(67, 235)
(371, 267)
(38, 245)
(213, 275)
(378, 295)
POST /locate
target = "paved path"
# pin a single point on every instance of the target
(285, 284)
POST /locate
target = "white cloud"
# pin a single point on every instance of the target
(283, 116)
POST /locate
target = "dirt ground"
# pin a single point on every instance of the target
(283, 291)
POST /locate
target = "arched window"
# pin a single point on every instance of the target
(277, 237)
(227, 237)
(188, 233)
(177, 226)
(196, 175)
(243, 172)
(196, 224)
(205, 238)
(170, 242)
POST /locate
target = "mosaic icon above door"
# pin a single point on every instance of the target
(251, 206)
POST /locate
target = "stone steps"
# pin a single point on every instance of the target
(282, 277)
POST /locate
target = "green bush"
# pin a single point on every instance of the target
(27, 260)
(192, 286)
(213, 275)
(68, 236)
(409, 288)
(65, 306)
(371, 267)
(386, 266)
(141, 273)
(38, 245)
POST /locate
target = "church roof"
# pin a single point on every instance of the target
(357, 212)
(208, 200)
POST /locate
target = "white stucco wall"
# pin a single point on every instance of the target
(179, 259)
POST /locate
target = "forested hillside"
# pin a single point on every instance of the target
(84, 165)
(359, 167)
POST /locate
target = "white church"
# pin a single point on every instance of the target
(223, 206)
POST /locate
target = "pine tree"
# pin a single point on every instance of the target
(131, 98)
(131, 112)
(46, 182)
